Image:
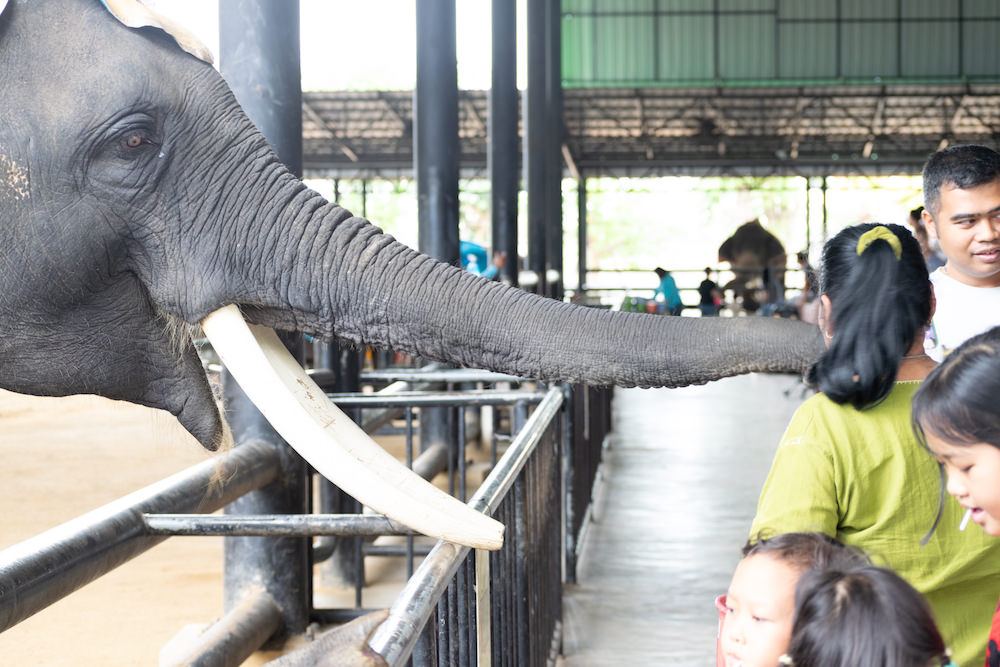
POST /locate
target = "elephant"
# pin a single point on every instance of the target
(754, 253)
(137, 198)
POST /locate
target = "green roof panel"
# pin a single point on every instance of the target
(771, 42)
(980, 47)
(685, 48)
(817, 40)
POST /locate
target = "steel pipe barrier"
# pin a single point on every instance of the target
(502, 607)
(435, 584)
(48, 567)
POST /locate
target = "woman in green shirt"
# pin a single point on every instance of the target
(849, 464)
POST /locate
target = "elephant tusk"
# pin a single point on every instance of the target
(332, 443)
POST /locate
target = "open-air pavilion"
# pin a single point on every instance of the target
(625, 509)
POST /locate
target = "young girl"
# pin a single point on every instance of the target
(756, 614)
(956, 414)
(862, 617)
(849, 464)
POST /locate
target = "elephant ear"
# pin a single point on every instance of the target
(134, 14)
(3, 5)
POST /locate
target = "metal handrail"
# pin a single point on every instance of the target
(396, 637)
(417, 399)
(437, 374)
(275, 525)
(46, 568)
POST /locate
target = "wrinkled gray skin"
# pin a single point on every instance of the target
(135, 195)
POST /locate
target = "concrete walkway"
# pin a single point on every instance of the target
(679, 488)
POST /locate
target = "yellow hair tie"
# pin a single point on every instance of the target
(884, 233)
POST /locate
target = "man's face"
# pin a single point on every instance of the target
(967, 227)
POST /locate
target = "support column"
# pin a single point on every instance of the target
(502, 145)
(259, 57)
(808, 181)
(534, 141)
(825, 214)
(553, 149)
(435, 130)
(581, 207)
(336, 558)
(435, 155)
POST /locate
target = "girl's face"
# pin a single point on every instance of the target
(973, 478)
(760, 607)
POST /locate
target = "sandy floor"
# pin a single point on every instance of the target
(64, 457)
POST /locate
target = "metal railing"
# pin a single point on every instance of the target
(524, 601)
(628, 289)
(457, 608)
(45, 568)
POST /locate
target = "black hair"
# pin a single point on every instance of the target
(864, 616)
(965, 166)
(880, 305)
(660, 271)
(806, 551)
(957, 401)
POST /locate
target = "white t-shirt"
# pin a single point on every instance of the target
(962, 312)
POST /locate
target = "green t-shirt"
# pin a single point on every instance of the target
(861, 476)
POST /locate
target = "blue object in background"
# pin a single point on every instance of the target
(474, 258)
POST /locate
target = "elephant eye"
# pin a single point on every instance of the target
(135, 140)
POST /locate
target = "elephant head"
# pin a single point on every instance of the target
(136, 198)
(750, 251)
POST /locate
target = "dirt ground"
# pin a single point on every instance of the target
(62, 457)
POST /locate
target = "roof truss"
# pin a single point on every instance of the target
(803, 130)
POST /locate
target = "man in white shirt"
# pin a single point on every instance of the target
(962, 211)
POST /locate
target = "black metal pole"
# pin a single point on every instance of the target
(259, 57)
(825, 232)
(581, 207)
(502, 146)
(569, 481)
(364, 197)
(435, 156)
(553, 150)
(50, 566)
(337, 555)
(435, 140)
(233, 638)
(808, 181)
(534, 140)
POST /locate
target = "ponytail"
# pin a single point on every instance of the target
(880, 295)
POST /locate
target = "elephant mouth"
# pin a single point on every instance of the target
(332, 443)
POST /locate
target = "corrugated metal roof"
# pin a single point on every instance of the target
(819, 42)
(696, 130)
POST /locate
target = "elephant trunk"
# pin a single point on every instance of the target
(320, 270)
(315, 268)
